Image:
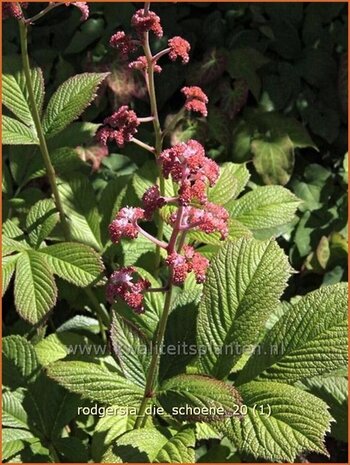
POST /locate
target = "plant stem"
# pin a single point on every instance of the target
(157, 131)
(42, 13)
(153, 368)
(23, 28)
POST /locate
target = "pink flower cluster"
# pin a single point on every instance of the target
(121, 285)
(144, 21)
(191, 260)
(196, 100)
(125, 223)
(13, 9)
(119, 127)
(187, 164)
(83, 7)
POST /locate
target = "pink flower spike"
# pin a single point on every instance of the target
(179, 266)
(119, 127)
(198, 263)
(196, 100)
(13, 9)
(123, 43)
(83, 7)
(144, 21)
(141, 64)
(125, 223)
(121, 285)
(188, 166)
(179, 47)
(151, 201)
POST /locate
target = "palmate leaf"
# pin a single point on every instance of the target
(153, 445)
(265, 210)
(40, 221)
(16, 133)
(13, 413)
(293, 421)
(334, 391)
(201, 392)
(8, 268)
(310, 339)
(232, 180)
(75, 263)
(35, 289)
(70, 100)
(132, 350)
(274, 158)
(95, 382)
(80, 206)
(20, 362)
(14, 90)
(237, 301)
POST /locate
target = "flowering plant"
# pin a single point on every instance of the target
(180, 279)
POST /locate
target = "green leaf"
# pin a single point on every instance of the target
(57, 346)
(310, 339)
(20, 363)
(181, 330)
(16, 133)
(265, 210)
(209, 399)
(40, 221)
(8, 268)
(35, 289)
(131, 349)
(281, 422)
(274, 121)
(155, 446)
(334, 391)
(14, 90)
(273, 158)
(96, 383)
(75, 263)
(233, 178)
(244, 283)
(13, 413)
(243, 64)
(107, 430)
(70, 100)
(81, 208)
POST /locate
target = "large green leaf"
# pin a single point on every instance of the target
(20, 363)
(244, 283)
(281, 422)
(8, 268)
(273, 158)
(131, 349)
(310, 339)
(81, 208)
(70, 100)
(14, 90)
(207, 399)
(96, 383)
(334, 391)
(16, 133)
(13, 413)
(233, 178)
(40, 221)
(76, 263)
(265, 210)
(154, 446)
(35, 288)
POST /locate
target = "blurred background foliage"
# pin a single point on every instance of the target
(276, 76)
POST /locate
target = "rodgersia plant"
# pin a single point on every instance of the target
(203, 347)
